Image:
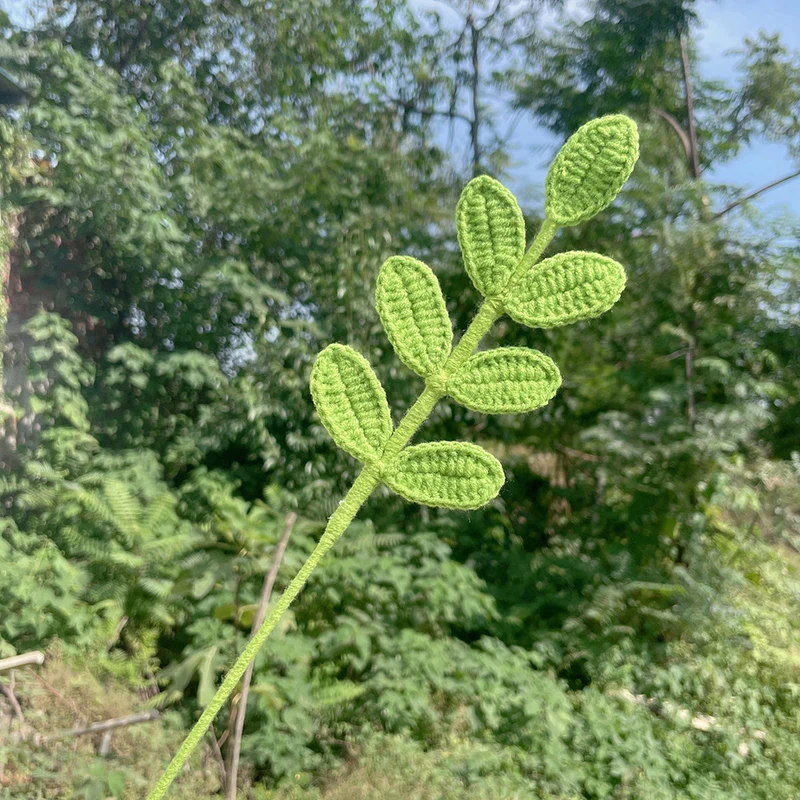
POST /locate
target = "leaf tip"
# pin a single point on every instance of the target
(591, 169)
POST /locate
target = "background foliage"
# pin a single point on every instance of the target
(204, 192)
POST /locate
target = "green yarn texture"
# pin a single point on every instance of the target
(590, 169)
(566, 288)
(412, 310)
(351, 402)
(446, 474)
(585, 177)
(505, 381)
(491, 233)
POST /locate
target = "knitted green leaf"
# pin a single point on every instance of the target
(590, 169)
(412, 310)
(565, 288)
(491, 232)
(445, 474)
(505, 380)
(351, 402)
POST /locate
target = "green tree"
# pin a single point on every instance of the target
(213, 189)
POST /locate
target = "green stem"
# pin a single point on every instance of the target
(543, 238)
(361, 489)
(487, 315)
(410, 423)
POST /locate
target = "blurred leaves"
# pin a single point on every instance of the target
(213, 190)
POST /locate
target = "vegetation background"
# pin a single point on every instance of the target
(196, 199)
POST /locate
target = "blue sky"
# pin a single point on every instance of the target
(725, 23)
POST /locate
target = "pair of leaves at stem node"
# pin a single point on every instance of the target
(566, 288)
(352, 406)
(585, 177)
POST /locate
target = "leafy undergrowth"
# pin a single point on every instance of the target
(394, 768)
(62, 696)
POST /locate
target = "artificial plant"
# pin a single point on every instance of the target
(586, 176)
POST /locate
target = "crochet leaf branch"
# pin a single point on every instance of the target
(586, 176)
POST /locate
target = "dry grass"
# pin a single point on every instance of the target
(61, 696)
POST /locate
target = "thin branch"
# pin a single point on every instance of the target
(106, 725)
(8, 691)
(117, 631)
(676, 126)
(489, 18)
(689, 365)
(52, 689)
(430, 112)
(22, 660)
(261, 613)
(694, 156)
(223, 775)
(516, 117)
(569, 451)
(105, 744)
(677, 354)
(756, 193)
(475, 86)
(452, 7)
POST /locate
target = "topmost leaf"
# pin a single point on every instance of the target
(491, 232)
(590, 169)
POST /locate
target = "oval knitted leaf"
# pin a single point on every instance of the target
(491, 232)
(445, 474)
(351, 402)
(566, 288)
(505, 380)
(590, 169)
(413, 312)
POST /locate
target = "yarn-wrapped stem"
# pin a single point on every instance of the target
(369, 478)
(340, 520)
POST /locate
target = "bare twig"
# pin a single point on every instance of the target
(223, 775)
(756, 193)
(695, 169)
(8, 691)
(105, 744)
(105, 725)
(475, 85)
(689, 359)
(52, 689)
(577, 453)
(22, 660)
(681, 133)
(489, 18)
(261, 612)
(694, 156)
(449, 113)
(677, 354)
(117, 631)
